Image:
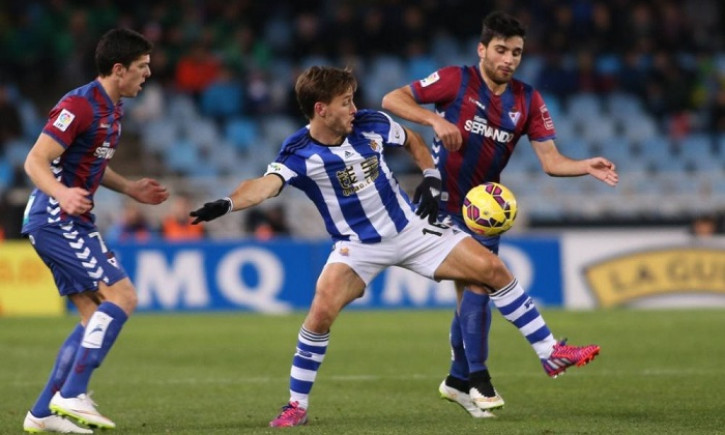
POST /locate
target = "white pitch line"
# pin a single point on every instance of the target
(650, 372)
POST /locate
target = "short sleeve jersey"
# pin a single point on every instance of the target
(354, 190)
(491, 126)
(86, 123)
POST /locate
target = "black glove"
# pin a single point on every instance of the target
(212, 210)
(428, 193)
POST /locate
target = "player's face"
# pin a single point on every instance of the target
(134, 76)
(339, 114)
(500, 58)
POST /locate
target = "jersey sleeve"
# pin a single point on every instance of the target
(281, 170)
(69, 119)
(396, 133)
(541, 127)
(440, 87)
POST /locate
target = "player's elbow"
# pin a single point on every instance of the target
(386, 101)
(389, 99)
(30, 165)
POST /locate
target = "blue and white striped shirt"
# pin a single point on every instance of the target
(351, 185)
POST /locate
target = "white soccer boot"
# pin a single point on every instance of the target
(81, 408)
(52, 423)
(464, 400)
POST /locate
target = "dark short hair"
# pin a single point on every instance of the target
(322, 83)
(499, 24)
(120, 46)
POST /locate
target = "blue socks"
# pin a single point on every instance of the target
(459, 363)
(63, 363)
(99, 335)
(475, 323)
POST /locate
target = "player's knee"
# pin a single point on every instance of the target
(123, 294)
(324, 310)
(494, 272)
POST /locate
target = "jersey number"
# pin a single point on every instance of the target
(435, 233)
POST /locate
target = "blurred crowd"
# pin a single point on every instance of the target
(237, 60)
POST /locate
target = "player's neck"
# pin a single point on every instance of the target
(111, 89)
(495, 88)
(324, 135)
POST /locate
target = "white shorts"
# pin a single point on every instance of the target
(420, 247)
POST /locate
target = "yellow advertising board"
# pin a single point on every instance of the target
(676, 270)
(26, 285)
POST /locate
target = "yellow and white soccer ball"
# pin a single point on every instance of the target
(489, 209)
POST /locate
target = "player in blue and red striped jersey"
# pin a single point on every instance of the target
(481, 111)
(67, 164)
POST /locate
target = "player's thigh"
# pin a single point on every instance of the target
(470, 262)
(490, 242)
(77, 257)
(424, 246)
(337, 286)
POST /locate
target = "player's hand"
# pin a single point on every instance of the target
(449, 134)
(74, 200)
(148, 191)
(604, 170)
(427, 196)
(212, 210)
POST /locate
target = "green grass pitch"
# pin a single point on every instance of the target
(659, 372)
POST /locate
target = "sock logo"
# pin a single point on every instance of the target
(96, 330)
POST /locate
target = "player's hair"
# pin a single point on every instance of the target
(321, 83)
(499, 24)
(120, 46)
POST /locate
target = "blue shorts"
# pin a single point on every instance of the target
(77, 257)
(491, 242)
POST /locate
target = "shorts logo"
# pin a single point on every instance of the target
(344, 251)
(64, 120)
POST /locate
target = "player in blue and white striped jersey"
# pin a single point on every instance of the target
(337, 160)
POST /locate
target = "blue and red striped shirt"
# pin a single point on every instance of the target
(86, 123)
(491, 126)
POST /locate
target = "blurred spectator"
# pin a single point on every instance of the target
(589, 80)
(632, 78)
(556, 77)
(10, 122)
(196, 70)
(176, 225)
(149, 105)
(717, 114)
(267, 223)
(223, 98)
(706, 225)
(132, 227)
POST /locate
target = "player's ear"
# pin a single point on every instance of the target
(321, 109)
(118, 70)
(481, 50)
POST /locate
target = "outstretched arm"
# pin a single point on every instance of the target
(247, 194)
(401, 103)
(557, 165)
(145, 190)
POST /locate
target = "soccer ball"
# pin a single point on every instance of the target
(489, 209)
